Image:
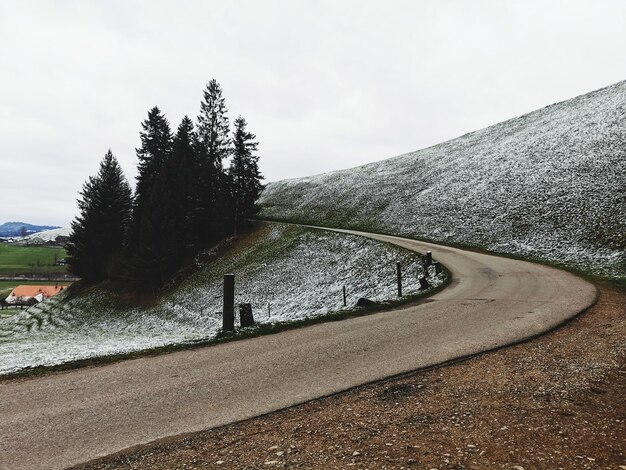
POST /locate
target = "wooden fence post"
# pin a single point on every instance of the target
(228, 322)
(345, 300)
(399, 275)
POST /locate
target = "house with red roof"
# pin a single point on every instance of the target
(32, 294)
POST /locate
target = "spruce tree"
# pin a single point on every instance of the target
(150, 246)
(244, 173)
(182, 172)
(213, 149)
(213, 126)
(156, 145)
(98, 232)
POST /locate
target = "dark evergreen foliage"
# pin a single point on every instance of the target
(244, 174)
(213, 149)
(184, 172)
(156, 146)
(99, 231)
(148, 245)
(184, 201)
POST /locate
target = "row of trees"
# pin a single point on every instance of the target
(186, 198)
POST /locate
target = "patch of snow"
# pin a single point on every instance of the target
(47, 235)
(296, 272)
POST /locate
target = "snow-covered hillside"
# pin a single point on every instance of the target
(550, 184)
(296, 272)
(19, 229)
(47, 236)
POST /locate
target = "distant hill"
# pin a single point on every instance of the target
(47, 236)
(550, 184)
(19, 229)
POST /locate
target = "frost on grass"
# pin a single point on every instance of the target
(550, 184)
(286, 273)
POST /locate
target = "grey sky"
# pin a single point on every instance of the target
(324, 85)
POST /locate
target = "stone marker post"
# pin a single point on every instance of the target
(437, 266)
(246, 318)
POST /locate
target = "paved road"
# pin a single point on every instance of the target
(67, 418)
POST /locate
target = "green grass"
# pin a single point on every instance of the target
(16, 259)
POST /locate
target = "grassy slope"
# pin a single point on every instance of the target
(299, 271)
(550, 184)
(15, 259)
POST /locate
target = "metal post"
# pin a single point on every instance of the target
(399, 274)
(345, 303)
(229, 303)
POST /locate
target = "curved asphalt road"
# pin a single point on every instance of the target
(64, 419)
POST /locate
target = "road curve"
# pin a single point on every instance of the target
(63, 419)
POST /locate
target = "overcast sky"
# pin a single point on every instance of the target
(324, 85)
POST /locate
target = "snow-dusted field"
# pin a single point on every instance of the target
(41, 238)
(47, 235)
(550, 184)
(295, 272)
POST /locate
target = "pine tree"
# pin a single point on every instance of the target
(213, 126)
(150, 246)
(99, 231)
(182, 171)
(245, 175)
(156, 146)
(213, 149)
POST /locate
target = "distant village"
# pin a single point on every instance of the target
(23, 280)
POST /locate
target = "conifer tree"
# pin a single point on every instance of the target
(183, 179)
(149, 246)
(213, 126)
(99, 231)
(213, 149)
(245, 175)
(156, 146)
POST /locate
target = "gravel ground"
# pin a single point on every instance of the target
(554, 402)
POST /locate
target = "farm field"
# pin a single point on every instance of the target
(19, 259)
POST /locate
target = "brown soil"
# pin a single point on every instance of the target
(558, 401)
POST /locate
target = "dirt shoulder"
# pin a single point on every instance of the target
(554, 402)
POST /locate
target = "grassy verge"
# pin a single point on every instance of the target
(259, 330)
